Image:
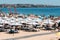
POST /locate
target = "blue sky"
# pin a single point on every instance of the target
(47, 2)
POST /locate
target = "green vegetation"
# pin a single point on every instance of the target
(24, 6)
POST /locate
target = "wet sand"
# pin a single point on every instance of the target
(22, 35)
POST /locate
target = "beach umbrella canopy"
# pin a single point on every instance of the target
(12, 21)
(2, 21)
(19, 19)
(48, 21)
(15, 23)
(37, 20)
(12, 18)
(33, 23)
(58, 21)
(28, 19)
(6, 22)
(30, 22)
(23, 21)
(8, 19)
(0, 17)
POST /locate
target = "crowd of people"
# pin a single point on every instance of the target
(15, 22)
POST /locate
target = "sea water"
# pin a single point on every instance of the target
(37, 11)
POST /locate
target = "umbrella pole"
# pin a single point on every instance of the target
(13, 33)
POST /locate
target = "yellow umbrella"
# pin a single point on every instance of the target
(58, 33)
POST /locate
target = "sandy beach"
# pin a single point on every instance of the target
(22, 35)
(36, 26)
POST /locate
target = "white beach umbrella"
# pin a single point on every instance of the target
(6, 21)
(12, 21)
(12, 18)
(58, 21)
(33, 23)
(48, 21)
(0, 17)
(23, 21)
(29, 19)
(2, 21)
(30, 23)
(15, 23)
(51, 23)
(19, 19)
(37, 20)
